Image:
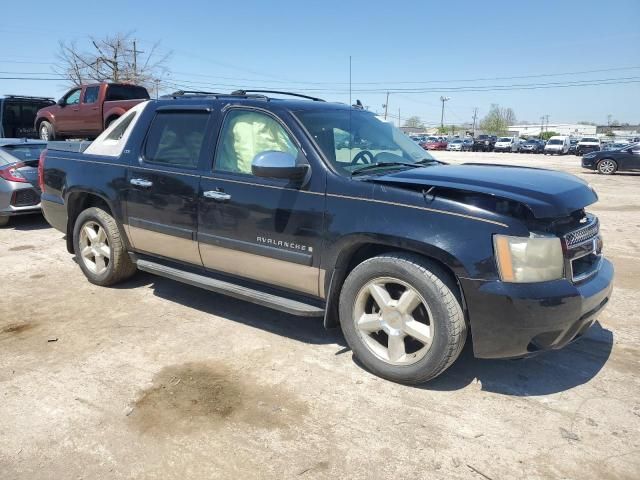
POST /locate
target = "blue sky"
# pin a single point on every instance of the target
(305, 46)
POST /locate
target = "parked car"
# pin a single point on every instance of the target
(507, 144)
(484, 143)
(181, 188)
(557, 145)
(19, 190)
(17, 114)
(467, 144)
(609, 162)
(588, 144)
(458, 145)
(573, 144)
(84, 112)
(435, 144)
(532, 146)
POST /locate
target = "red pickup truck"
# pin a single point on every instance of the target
(87, 110)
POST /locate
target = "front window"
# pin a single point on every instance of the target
(591, 140)
(73, 98)
(351, 139)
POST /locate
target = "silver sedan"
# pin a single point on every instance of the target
(19, 191)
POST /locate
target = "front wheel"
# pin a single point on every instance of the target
(607, 166)
(100, 249)
(401, 316)
(46, 132)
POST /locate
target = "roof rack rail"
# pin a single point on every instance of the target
(245, 92)
(184, 93)
(28, 97)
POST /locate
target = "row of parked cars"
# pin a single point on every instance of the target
(556, 145)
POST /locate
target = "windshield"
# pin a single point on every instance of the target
(24, 151)
(504, 139)
(592, 140)
(456, 141)
(351, 139)
(555, 142)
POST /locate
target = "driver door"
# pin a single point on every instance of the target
(257, 228)
(67, 118)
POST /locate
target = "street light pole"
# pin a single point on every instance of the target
(443, 99)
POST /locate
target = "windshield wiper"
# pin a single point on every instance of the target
(373, 166)
(426, 161)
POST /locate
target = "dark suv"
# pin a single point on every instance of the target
(484, 143)
(259, 198)
(17, 114)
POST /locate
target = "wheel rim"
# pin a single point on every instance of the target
(44, 133)
(393, 320)
(95, 251)
(607, 166)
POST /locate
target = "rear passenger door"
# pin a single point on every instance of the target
(162, 200)
(90, 116)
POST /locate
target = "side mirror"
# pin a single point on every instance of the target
(62, 102)
(273, 164)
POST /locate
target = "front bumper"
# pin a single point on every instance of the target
(589, 163)
(510, 320)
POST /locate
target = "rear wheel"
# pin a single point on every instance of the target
(607, 166)
(100, 249)
(401, 317)
(45, 131)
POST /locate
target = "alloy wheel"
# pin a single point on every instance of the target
(607, 167)
(95, 251)
(393, 321)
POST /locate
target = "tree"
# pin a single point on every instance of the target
(583, 122)
(443, 130)
(413, 122)
(547, 135)
(115, 58)
(498, 119)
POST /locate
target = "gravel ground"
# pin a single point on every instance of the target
(155, 379)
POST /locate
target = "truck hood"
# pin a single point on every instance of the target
(546, 193)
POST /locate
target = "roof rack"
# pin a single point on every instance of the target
(299, 95)
(185, 93)
(28, 97)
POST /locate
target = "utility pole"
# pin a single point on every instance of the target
(609, 120)
(386, 106)
(541, 125)
(475, 116)
(135, 52)
(443, 99)
(157, 82)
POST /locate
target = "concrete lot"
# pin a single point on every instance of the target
(155, 379)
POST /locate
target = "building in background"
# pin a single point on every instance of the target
(571, 129)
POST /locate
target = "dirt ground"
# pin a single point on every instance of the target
(155, 379)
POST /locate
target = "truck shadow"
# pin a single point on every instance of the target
(304, 329)
(543, 374)
(547, 373)
(27, 223)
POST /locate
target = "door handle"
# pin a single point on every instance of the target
(141, 182)
(216, 195)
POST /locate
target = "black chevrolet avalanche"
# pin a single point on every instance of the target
(323, 209)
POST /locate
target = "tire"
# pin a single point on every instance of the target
(117, 266)
(438, 312)
(46, 132)
(607, 166)
(4, 221)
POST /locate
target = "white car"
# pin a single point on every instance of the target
(587, 145)
(507, 144)
(558, 145)
(455, 145)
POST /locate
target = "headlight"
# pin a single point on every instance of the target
(528, 259)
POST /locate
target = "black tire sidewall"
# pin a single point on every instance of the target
(49, 128)
(91, 214)
(430, 364)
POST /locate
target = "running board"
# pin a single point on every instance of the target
(258, 297)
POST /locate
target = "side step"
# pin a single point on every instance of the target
(258, 297)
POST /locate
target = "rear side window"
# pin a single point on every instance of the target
(175, 138)
(126, 92)
(118, 130)
(91, 94)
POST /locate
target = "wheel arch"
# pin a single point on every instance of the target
(77, 202)
(359, 251)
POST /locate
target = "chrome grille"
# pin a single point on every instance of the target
(582, 234)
